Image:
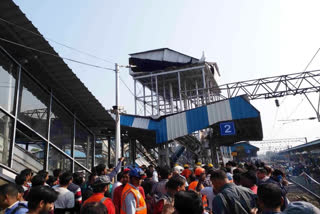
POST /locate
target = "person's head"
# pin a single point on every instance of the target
(101, 169)
(237, 179)
(28, 173)
(41, 199)
(94, 208)
(186, 166)
(20, 179)
(38, 180)
(269, 196)
(78, 178)
(52, 181)
(188, 202)
(151, 168)
(248, 179)
(136, 176)
(65, 179)
(8, 195)
(101, 184)
(20, 193)
(175, 184)
(110, 166)
(149, 173)
(269, 170)
(57, 173)
(278, 175)
(91, 178)
(199, 171)
(125, 177)
(165, 173)
(297, 207)
(218, 178)
(44, 173)
(261, 173)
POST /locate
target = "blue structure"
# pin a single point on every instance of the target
(244, 151)
(177, 125)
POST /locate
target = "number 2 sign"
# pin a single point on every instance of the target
(227, 128)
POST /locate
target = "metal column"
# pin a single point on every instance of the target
(179, 85)
(186, 107)
(109, 150)
(197, 94)
(157, 92)
(151, 95)
(73, 144)
(204, 86)
(164, 98)
(13, 140)
(171, 96)
(135, 97)
(144, 101)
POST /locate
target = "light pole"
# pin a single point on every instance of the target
(116, 109)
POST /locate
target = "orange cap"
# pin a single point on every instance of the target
(198, 171)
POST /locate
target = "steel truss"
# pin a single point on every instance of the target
(274, 87)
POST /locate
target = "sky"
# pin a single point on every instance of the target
(247, 38)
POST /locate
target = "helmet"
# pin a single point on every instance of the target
(186, 166)
(178, 169)
(198, 163)
(176, 164)
(198, 171)
(210, 165)
(136, 172)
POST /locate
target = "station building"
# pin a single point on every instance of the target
(48, 118)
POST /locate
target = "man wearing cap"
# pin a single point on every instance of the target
(100, 187)
(132, 201)
(118, 191)
(197, 185)
(186, 172)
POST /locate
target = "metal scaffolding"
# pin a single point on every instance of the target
(176, 90)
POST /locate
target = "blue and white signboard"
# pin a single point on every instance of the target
(227, 128)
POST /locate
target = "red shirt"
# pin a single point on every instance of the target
(186, 173)
(254, 189)
(117, 197)
(96, 197)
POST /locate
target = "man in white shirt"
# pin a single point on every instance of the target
(66, 197)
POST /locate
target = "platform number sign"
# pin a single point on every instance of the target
(227, 128)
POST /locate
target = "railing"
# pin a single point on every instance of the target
(308, 183)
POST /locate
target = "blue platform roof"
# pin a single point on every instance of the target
(173, 126)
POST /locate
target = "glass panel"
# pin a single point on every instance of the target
(8, 74)
(33, 105)
(28, 151)
(61, 132)
(101, 151)
(58, 161)
(5, 137)
(83, 147)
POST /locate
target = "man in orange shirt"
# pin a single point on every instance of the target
(100, 187)
(186, 172)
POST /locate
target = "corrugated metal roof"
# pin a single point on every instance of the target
(177, 125)
(53, 72)
(303, 146)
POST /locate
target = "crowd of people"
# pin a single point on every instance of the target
(233, 188)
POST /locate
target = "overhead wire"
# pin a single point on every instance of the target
(54, 41)
(55, 55)
(297, 106)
